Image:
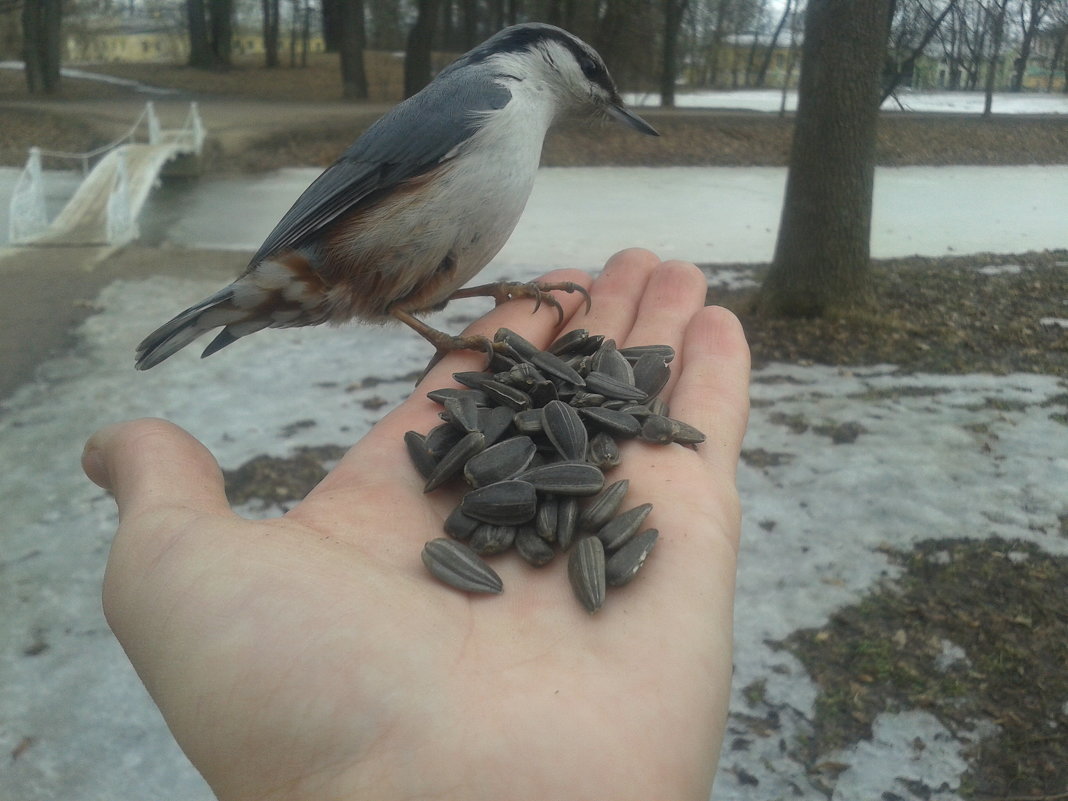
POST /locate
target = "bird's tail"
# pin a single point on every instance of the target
(214, 311)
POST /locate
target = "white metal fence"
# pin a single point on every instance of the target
(28, 214)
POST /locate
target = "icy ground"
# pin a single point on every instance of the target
(906, 100)
(972, 456)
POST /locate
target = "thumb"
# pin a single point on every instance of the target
(152, 464)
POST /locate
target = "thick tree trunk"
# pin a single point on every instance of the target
(350, 44)
(200, 54)
(222, 31)
(821, 261)
(995, 56)
(270, 32)
(41, 22)
(331, 12)
(417, 65)
(669, 67)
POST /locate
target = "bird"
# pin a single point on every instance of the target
(419, 204)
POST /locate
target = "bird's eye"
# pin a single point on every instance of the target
(589, 67)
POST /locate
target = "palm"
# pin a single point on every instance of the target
(316, 652)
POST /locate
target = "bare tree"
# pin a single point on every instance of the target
(417, 63)
(210, 32)
(1032, 13)
(998, 13)
(41, 44)
(270, 32)
(351, 28)
(822, 255)
(929, 28)
(769, 53)
(669, 64)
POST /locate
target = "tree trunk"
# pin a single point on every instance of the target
(222, 31)
(417, 64)
(41, 22)
(1037, 11)
(669, 67)
(350, 44)
(270, 32)
(200, 54)
(821, 261)
(995, 54)
(331, 25)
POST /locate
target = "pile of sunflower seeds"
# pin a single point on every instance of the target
(532, 435)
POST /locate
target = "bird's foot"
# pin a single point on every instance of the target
(446, 343)
(539, 292)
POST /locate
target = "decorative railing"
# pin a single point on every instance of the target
(28, 216)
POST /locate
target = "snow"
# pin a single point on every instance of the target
(770, 100)
(814, 527)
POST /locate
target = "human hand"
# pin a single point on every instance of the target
(312, 656)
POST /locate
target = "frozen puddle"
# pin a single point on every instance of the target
(845, 471)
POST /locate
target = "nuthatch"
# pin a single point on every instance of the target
(419, 204)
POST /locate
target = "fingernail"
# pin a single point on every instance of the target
(94, 467)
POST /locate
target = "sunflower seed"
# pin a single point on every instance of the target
(440, 439)
(685, 434)
(494, 422)
(610, 387)
(582, 399)
(621, 566)
(565, 478)
(603, 451)
(658, 430)
(545, 521)
(459, 526)
(442, 395)
(635, 352)
(566, 521)
(505, 395)
(472, 378)
(565, 430)
(460, 567)
(621, 528)
(489, 539)
(523, 376)
(651, 373)
(556, 367)
(570, 344)
(453, 461)
(658, 406)
(504, 503)
(461, 411)
(604, 507)
(422, 459)
(543, 392)
(616, 423)
(528, 421)
(533, 548)
(585, 568)
(499, 462)
(609, 361)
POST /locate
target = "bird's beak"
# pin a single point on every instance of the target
(621, 113)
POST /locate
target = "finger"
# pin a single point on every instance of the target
(712, 392)
(616, 294)
(152, 464)
(675, 293)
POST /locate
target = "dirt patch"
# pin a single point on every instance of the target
(974, 632)
(944, 315)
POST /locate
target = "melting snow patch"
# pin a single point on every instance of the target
(910, 754)
(1001, 269)
(1051, 322)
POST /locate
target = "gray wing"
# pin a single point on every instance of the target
(410, 139)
